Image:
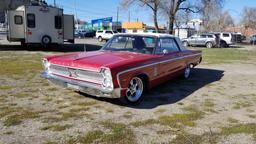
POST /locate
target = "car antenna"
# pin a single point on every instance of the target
(84, 47)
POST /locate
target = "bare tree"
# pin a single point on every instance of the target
(152, 4)
(211, 11)
(171, 7)
(225, 21)
(249, 18)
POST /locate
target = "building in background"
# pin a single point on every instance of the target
(106, 24)
(100, 24)
(184, 31)
(133, 27)
(140, 27)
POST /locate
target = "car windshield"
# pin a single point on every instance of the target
(115, 32)
(137, 44)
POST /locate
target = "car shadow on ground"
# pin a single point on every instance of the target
(53, 48)
(173, 91)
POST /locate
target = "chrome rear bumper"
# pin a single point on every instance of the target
(84, 87)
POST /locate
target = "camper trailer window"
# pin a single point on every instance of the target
(58, 22)
(18, 20)
(31, 20)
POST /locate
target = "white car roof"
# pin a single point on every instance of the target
(148, 34)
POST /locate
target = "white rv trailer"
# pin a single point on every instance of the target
(40, 24)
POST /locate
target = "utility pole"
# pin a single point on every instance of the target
(54, 3)
(117, 14)
(129, 18)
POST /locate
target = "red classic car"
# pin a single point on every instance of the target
(125, 67)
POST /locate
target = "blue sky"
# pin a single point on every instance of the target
(93, 9)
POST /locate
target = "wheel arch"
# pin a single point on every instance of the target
(145, 79)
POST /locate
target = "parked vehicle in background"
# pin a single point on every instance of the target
(238, 37)
(253, 40)
(225, 39)
(105, 34)
(126, 66)
(40, 24)
(208, 40)
(86, 33)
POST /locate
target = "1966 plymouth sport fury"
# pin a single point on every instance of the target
(126, 66)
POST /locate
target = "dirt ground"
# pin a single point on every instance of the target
(216, 105)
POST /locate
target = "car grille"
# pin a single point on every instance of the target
(84, 75)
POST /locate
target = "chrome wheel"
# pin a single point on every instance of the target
(135, 90)
(187, 72)
(209, 45)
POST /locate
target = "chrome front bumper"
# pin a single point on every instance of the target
(84, 87)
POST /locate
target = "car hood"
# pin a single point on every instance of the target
(97, 59)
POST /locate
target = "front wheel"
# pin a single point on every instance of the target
(209, 45)
(187, 71)
(135, 90)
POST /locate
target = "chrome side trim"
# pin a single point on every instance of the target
(147, 65)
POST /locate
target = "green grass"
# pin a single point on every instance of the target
(16, 64)
(239, 105)
(22, 115)
(88, 138)
(175, 120)
(208, 103)
(232, 120)
(144, 123)
(56, 127)
(217, 56)
(119, 133)
(186, 119)
(84, 104)
(249, 128)
(7, 110)
(64, 116)
(8, 133)
(6, 87)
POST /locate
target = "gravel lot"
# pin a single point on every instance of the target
(216, 105)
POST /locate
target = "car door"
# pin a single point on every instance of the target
(191, 40)
(202, 40)
(108, 34)
(171, 61)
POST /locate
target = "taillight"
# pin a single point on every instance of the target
(29, 33)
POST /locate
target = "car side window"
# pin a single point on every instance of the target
(167, 45)
(109, 32)
(210, 36)
(121, 42)
(203, 36)
(225, 35)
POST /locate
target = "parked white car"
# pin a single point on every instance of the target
(105, 34)
(226, 39)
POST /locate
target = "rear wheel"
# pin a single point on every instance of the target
(135, 90)
(100, 39)
(46, 40)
